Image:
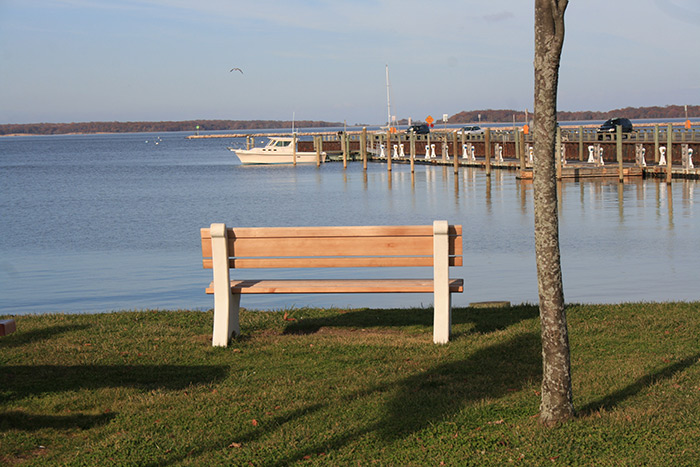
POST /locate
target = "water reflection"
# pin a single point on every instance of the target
(602, 221)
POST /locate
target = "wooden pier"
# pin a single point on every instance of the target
(656, 150)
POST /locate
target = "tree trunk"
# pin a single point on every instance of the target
(556, 406)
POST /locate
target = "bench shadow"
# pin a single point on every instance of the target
(21, 338)
(611, 400)
(482, 320)
(16, 420)
(23, 381)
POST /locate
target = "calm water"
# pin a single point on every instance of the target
(108, 222)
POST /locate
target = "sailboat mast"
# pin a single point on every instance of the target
(388, 99)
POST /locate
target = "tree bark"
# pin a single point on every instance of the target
(556, 406)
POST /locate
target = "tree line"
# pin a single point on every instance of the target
(151, 127)
(490, 115)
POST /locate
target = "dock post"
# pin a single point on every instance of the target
(388, 149)
(487, 151)
(455, 150)
(363, 147)
(343, 137)
(580, 143)
(557, 152)
(520, 142)
(412, 149)
(669, 151)
(294, 148)
(656, 144)
(317, 143)
(443, 148)
(618, 144)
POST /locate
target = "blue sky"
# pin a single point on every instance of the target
(104, 60)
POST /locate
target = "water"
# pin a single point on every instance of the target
(108, 222)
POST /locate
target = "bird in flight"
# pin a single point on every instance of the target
(237, 69)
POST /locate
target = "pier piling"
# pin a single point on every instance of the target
(487, 150)
(669, 149)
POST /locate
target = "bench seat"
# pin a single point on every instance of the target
(308, 286)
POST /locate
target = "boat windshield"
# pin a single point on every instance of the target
(283, 143)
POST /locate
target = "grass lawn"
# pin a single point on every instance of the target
(348, 387)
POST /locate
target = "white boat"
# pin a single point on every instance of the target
(278, 150)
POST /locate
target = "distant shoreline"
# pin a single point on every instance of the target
(437, 129)
(484, 118)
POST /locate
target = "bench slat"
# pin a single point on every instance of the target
(330, 246)
(332, 262)
(347, 231)
(337, 231)
(371, 246)
(294, 286)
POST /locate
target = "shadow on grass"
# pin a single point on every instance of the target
(482, 320)
(22, 381)
(260, 431)
(15, 420)
(414, 403)
(610, 401)
(441, 392)
(21, 338)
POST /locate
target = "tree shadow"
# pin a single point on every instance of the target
(21, 338)
(22, 381)
(420, 400)
(482, 320)
(268, 425)
(17, 420)
(611, 400)
(442, 391)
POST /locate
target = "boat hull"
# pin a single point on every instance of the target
(259, 157)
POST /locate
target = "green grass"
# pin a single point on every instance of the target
(348, 387)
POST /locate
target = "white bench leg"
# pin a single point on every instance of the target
(226, 320)
(442, 314)
(226, 304)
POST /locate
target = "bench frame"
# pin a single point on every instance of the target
(439, 246)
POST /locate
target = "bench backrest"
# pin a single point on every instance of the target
(324, 247)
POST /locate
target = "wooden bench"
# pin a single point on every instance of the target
(438, 246)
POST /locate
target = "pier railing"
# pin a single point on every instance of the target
(647, 145)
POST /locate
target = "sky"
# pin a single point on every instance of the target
(122, 60)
